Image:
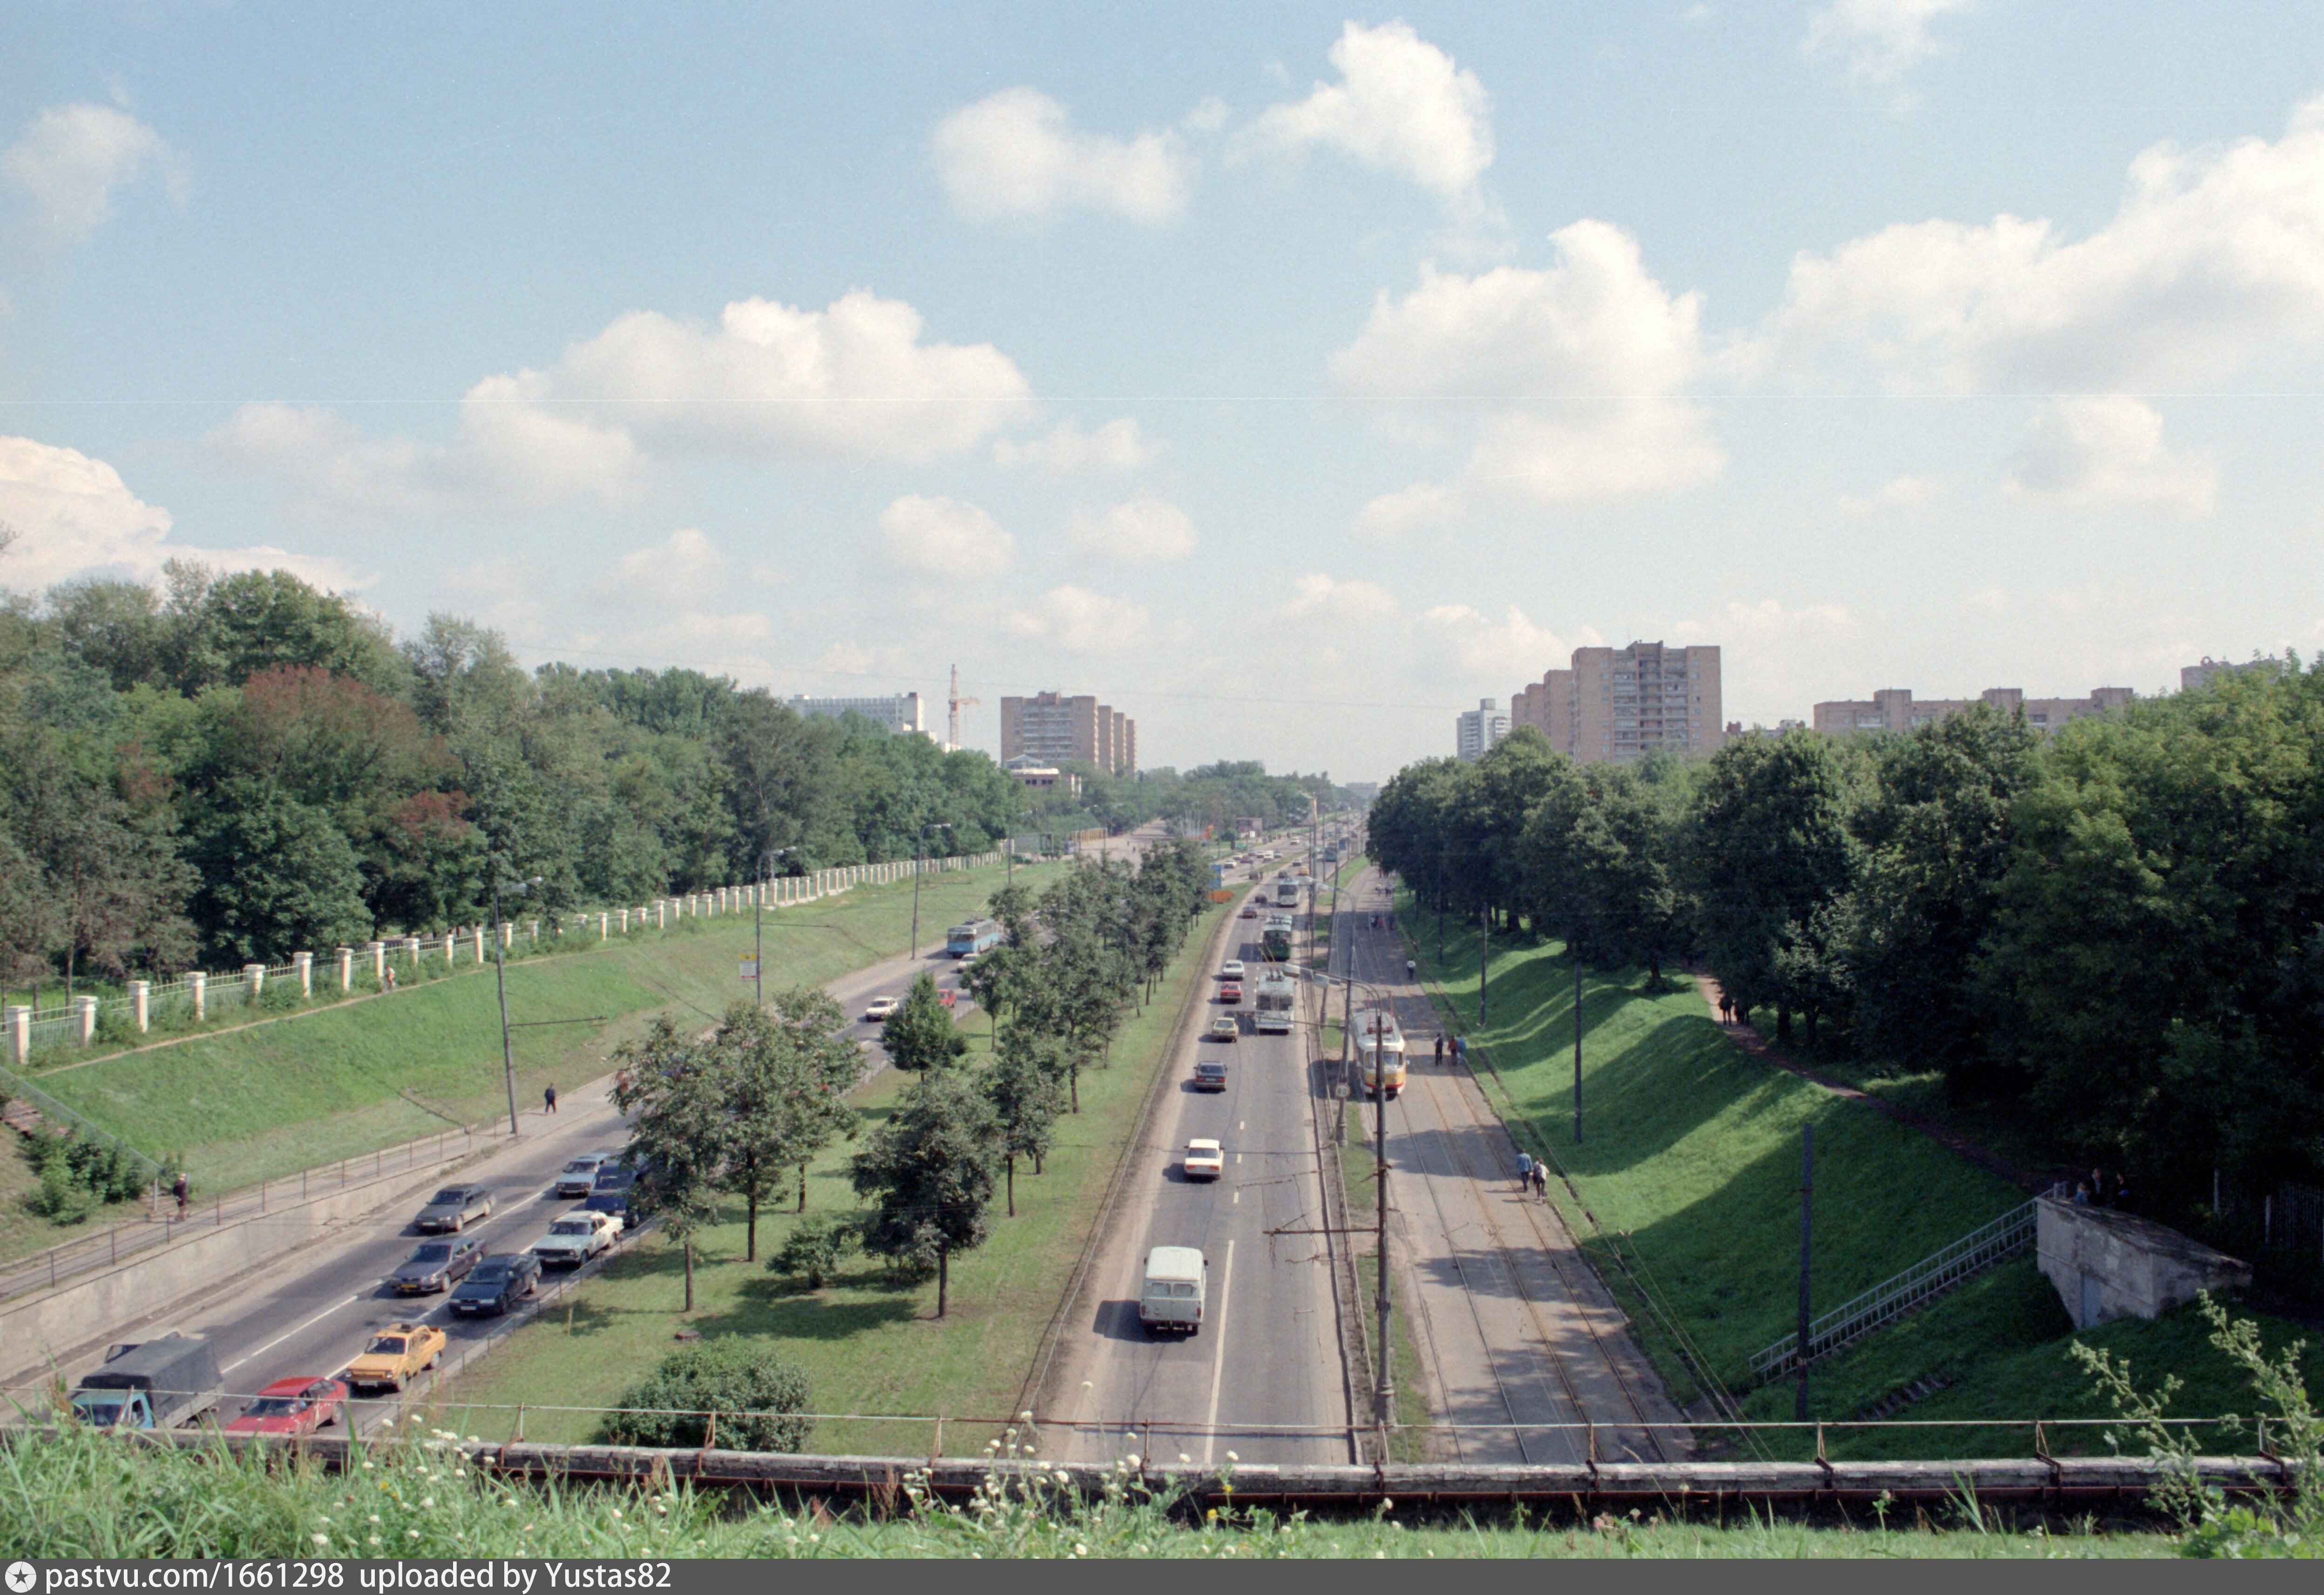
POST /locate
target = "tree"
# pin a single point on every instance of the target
(676, 1091)
(1023, 1086)
(278, 877)
(755, 1396)
(920, 1034)
(929, 1173)
(788, 1070)
(810, 1253)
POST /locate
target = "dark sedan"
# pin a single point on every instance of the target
(498, 1284)
(437, 1266)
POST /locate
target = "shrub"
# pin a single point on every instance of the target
(812, 1251)
(755, 1392)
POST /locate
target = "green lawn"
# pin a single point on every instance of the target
(269, 1099)
(868, 1348)
(1689, 1171)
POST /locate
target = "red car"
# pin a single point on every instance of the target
(1230, 991)
(296, 1406)
(948, 997)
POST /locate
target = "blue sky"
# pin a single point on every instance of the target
(1291, 376)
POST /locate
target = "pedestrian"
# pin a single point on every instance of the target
(1525, 1172)
(1440, 1049)
(1410, 968)
(1461, 1050)
(178, 1188)
(387, 978)
(1541, 1179)
(548, 1097)
(1726, 1009)
(2081, 1193)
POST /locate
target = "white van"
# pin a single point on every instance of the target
(1178, 1284)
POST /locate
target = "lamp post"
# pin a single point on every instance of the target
(919, 860)
(1384, 1383)
(757, 913)
(500, 978)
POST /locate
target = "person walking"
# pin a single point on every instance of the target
(549, 1100)
(1525, 1172)
(178, 1188)
(1541, 1179)
(387, 978)
(1440, 1049)
(1461, 1050)
(1410, 968)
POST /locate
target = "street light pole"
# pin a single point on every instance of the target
(758, 937)
(500, 978)
(1384, 1392)
(920, 862)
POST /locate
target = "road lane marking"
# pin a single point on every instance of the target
(1237, 1202)
(1218, 1358)
(287, 1334)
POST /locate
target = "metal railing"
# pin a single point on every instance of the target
(1892, 1298)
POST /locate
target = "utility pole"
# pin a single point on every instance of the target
(1577, 1043)
(1383, 1395)
(499, 980)
(919, 864)
(1484, 951)
(1807, 1213)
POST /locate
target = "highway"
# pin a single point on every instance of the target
(312, 1314)
(1263, 1377)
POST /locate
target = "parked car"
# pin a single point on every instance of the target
(1204, 1160)
(453, 1209)
(438, 1264)
(577, 1177)
(1226, 1028)
(1210, 1075)
(398, 1353)
(499, 1283)
(573, 1240)
(299, 1404)
(880, 1008)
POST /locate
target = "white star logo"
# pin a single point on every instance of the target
(21, 1576)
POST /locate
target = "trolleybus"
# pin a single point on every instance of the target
(975, 936)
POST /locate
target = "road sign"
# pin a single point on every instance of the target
(750, 969)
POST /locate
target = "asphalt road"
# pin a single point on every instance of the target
(312, 1314)
(1263, 1375)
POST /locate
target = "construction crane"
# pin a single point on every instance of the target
(955, 704)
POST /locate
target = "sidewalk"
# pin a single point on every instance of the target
(1749, 1039)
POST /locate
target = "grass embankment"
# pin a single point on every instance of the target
(83, 1495)
(1690, 1163)
(867, 1347)
(269, 1099)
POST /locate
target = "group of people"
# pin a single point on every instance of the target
(2098, 1191)
(1532, 1176)
(1458, 1045)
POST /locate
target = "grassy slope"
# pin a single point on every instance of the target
(1692, 1156)
(270, 1099)
(867, 1347)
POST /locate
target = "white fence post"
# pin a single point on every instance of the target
(254, 978)
(140, 1004)
(346, 969)
(480, 943)
(84, 1021)
(19, 1019)
(378, 951)
(198, 986)
(605, 925)
(304, 964)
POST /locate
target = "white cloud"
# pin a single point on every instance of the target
(1078, 621)
(78, 518)
(1423, 506)
(1510, 647)
(2109, 451)
(2213, 265)
(684, 569)
(1116, 445)
(943, 536)
(854, 382)
(72, 158)
(1901, 496)
(1400, 107)
(1015, 154)
(1586, 358)
(1318, 597)
(1877, 40)
(1140, 532)
(1768, 623)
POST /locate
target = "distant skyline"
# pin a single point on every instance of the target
(1289, 377)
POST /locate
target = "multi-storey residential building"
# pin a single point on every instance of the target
(1051, 726)
(1479, 729)
(1615, 705)
(899, 713)
(2191, 676)
(1895, 709)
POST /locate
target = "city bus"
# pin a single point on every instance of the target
(1275, 1003)
(1275, 937)
(1379, 1051)
(975, 936)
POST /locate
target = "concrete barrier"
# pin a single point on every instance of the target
(36, 1332)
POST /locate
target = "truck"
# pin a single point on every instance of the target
(158, 1384)
(1176, 1284)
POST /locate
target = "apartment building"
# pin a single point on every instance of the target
(1479, 729)
(1895, 709)
(1617, 704)
(1051, 726)
(899, 712)
(2192, 676)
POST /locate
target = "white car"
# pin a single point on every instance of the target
(1204, 1160)
(1232, 970)
(573, 1240)
(880, 1008)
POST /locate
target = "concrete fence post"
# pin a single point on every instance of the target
(197, 988)
(304, 964)
(19, 1019)
(451, 948)
(378, 952)
(479, 934)
(84, 1021)
(411, 950)
(253, 980)
(536, 933)
(621, 920)
(605, 925)
(508, 935)
(140, 1004)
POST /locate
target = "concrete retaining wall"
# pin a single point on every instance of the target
(2110, 1264)
(37, 1331)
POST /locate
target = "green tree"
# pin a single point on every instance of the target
(756, 1397)
(278, 877)
(929, 1173)
(812, 1251)
(920, 1034)
(677, 1093)
(788, 1070)
(1024, 1086)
